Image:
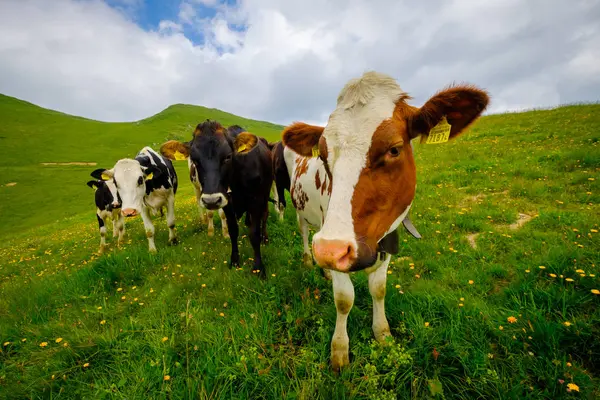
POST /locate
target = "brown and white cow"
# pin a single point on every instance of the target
(355, 180)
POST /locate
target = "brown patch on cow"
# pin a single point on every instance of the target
(299, 196)
(68, 163)
(245, 142)
(302, 167)
(318, 180)
(386, 186)
(471, 239)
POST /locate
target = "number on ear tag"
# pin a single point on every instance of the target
(439, 133)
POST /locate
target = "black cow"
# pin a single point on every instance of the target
(236, 173)
(108, 207)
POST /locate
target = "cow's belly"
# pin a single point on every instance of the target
(158, 198)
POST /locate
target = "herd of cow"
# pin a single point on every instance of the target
(353, 180)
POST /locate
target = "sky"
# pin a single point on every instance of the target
(286, 60)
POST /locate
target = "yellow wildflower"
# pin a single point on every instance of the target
(397, 286)
(119, 289)
(501, 327)
(553, 275)
(580, 271)
(572, 386)
(511, 320)
(426, 324)
(471, 282)
(542, 267)
(595, 291)
(167, 378)
(58, 340)
(43, 344)
(567, 323)
(86, 365)
(221, 314)
(165, 339)
(5, 344)
(569, 280)
(103, 322)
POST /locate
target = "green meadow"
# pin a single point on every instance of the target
(499, 299)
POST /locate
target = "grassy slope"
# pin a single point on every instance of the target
(128, 319)
(30, 135)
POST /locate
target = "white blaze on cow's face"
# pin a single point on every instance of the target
(366, 146)
(130, 179)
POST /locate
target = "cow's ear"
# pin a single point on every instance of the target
(93, 184)
(102, 174)
(302, 138)
(448, 113)
(151, 172)
(175, 150)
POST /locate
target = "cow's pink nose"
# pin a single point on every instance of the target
(129, 212)
(334, 254)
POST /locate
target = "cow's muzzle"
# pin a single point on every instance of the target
(334, 254)
(129, 212)
(214, 201)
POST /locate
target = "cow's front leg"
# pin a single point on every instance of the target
(307, 255)
(255, 240)
(224, 229)
(201, 209)
(102, 228)
(232, 226)
(377, 286)
(120, 221)
(171, 218)
(210, 230)
(115, 217)
(343, 293)
(149, 228)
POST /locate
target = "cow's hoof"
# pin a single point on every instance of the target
(260, 272)
(152, 250)
(382, 335)
(226, 235)
(265, 241)
(210, 233)
(102, 249)
(339, 359)
(307, 260)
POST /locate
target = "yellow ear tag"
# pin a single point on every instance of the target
(149, 176)
(241, 148)
(439, 133)
(179, 156)
(105, 177)
(315, 151)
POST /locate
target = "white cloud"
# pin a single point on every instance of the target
(292, 59)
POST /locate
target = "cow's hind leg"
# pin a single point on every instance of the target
(171, 218)
(263, 223)
(377, 283)
(224, 229)
(102, 228)
(343, 293)
(307, 256)
(149, 228)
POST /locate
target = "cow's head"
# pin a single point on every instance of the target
(366, 148)
(112, 199)
(210, 151)
(129, 178)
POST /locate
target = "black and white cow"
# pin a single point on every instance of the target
(145, 184)
(236, 176)
(108, 207)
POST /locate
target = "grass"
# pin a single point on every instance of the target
(180, 324)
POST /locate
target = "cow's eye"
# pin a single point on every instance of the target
(227, 158)
(140, 181)
(394, 151)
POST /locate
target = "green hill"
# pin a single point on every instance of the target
(499, 299)
(31, 135)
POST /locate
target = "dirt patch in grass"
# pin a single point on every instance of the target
(471, 238)
(522, 220)
(68, 163)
